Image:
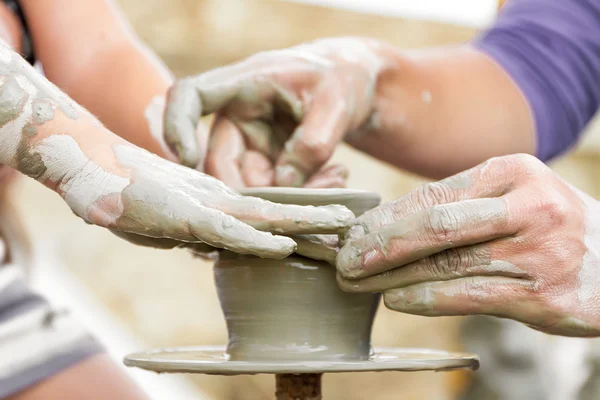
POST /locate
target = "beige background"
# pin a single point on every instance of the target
(168, 298)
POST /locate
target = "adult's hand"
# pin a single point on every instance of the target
(508, 238)
(279, 114)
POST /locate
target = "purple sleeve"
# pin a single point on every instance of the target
(551, 49)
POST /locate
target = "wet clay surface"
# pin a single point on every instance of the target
(214, 360)
(291, 309)
(358, 201)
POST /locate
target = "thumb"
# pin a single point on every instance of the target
(182, 113)
(191, 98)
(314, 140)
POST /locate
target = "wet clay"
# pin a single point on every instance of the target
(291, 309)
(357, 201)
(317, 247)
(215, 361)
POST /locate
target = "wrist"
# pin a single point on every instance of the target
(386, 116)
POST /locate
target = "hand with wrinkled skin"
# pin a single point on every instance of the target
(279, 114)
(508, 238)
(114, 184)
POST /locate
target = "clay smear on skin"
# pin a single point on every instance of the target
(444, 266)
(374, 253)
(249, 100)
(154, 113)
(460, 185)
(143, 209)
(27, 102)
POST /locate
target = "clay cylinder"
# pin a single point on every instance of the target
(291, 309)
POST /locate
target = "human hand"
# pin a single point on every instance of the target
(166, 205)
(280, 114)
(114, 184)
(508, 238)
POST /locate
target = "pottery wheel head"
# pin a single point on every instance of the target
(358, 201)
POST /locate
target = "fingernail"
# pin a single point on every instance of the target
(348, 262)
(286, 245)
(356, 232)
(390, 298)
(409, 300)
(288, 175)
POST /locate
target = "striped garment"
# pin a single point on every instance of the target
(36, 341)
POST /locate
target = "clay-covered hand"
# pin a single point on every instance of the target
(279, 114)
(114, 184)
(143, 194)
(508, 238)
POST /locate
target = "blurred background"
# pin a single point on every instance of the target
(135, 298)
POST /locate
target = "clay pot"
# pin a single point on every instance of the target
(293, 309)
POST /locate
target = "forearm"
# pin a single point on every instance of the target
(534, 74)
(441, 111)
(47, 136)
(88, 50)
(125, 90)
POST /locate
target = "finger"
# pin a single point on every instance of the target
(496, 296)
(256, 169)
(182, 113)
(423, 234)
(225, 153)
(190, 98)
(226, 232)
(487, 259)
(163, 243)
(202, 134)
(259, 136)
(492, 178)
(327, 183)
(314, 141)
(286, 219)
(317, 247)
(333, 176)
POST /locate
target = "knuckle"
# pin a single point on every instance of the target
(475, 289)
(434, 193)
(552, 208)
(445, 264)
(316, 150)
(525, 162)
(442, 223)
(514, 165)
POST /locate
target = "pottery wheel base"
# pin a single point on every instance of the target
(214, 361)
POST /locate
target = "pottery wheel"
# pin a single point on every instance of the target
(214, 360)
